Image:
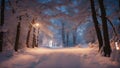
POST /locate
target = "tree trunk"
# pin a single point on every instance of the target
(2, 23)
(119, 22)
(113, 27)
(17, 35)
(34, 40)
(67, 38)
(96, 24)
(36, 37)
(106, 48)
(119, 4)
(119, 9)
(74, 37)
(28, 35)
(63, 34)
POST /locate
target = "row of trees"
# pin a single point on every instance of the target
(24, 18)
(103, 36)
(18, 28)
(66, 31)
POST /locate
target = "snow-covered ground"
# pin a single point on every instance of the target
(56, 58)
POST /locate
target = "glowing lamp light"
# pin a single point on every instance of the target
(117, 47)
(37, 24)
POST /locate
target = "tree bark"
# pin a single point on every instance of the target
(63, 34)
(36, 45)
(38, 37)
(18, 34)
(67, 38)
(34, 40)
(119, 4)
(106, 48)
(74, 36)
(28, 35)
(96, 24)
(2, 23)
(17, 37)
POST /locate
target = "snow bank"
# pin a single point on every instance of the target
(57, 58)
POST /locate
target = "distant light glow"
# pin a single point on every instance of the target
(117, 47)
(36, 25)
(50, 43)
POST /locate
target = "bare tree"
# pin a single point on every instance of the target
(74, 35)
(67, 38)
(106, 48)
(119, 4)
(2, 23)
(96, 24)
(34, 40)
(18, 33)
(63, 33)
(28, 35)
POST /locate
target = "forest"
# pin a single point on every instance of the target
(36, 31)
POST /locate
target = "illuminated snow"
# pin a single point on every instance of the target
(57, 58)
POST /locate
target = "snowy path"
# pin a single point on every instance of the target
(57, 58)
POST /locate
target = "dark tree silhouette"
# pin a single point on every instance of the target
(113, 27)
(96, 24)
(106, 48)
(17, 34)
(37, 38)
(2, 23)
(74, 36)
(34, 40)
(36, 45)
(28, 35)
(67, 38)
(63, 33)
(119, 4)
(119, 10)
